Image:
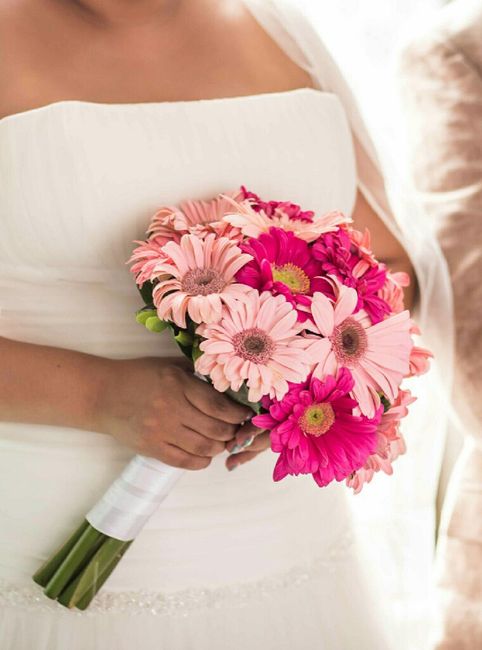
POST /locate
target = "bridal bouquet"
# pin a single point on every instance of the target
(284, 310)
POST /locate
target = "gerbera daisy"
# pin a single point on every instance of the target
(390, 443)
(282, 264)
(198, 278)
(355, 267)
(252, 222)
(272, 208)
(315, 431)
(377, 355)
(171, 222)
(255, 342)
(146, 258)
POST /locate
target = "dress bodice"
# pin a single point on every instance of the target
(79, 182)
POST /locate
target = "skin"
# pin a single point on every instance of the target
(126, 51)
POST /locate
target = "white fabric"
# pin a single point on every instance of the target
(229, 560)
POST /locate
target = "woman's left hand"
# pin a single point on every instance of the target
(247, 444)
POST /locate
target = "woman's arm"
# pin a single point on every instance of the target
(156, 406)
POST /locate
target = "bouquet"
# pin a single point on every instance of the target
(284, 310)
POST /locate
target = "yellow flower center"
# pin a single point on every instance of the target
(292, 276)
(317, 419)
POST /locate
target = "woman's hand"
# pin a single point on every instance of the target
(158, 408)
(248, 443)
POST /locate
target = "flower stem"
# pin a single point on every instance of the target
(78, 557)
(89, 581)
(48, 569)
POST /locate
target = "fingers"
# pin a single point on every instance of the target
(177, 457)
(197, 444)
(246, 436)
(208, 426)
(240, 459)
(206, 399)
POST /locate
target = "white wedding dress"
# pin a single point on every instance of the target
(230, 560)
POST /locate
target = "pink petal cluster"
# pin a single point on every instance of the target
(314, 430)
(197, 278)
(390, 443)
(274, 208)
(376, 355)
(344, 258)
(256, 342)
(146, 258)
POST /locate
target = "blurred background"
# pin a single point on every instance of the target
(395, 516)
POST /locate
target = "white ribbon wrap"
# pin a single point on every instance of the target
(134, 496)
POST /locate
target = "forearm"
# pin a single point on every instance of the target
(46, 385)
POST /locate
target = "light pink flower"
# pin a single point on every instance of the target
(194, 217)
(146, 257)
(376, 355)
(253, 222)
(392, 290)
(255, 342)
(419, 361)
(390, 443)
(198, 278)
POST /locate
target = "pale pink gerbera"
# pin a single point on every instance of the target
(145, 258)
(376, 355)
(198, 278)
(255, 342)
(253, 222)
(390, 443)
(200, 217)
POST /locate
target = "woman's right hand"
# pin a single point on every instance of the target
(160, 409)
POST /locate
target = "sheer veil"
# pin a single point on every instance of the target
(396, 514)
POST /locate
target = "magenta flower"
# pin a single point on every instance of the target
(314, 430)
(282, 264)
(343, 258)
(273, 208)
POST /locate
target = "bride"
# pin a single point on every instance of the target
(110, 109)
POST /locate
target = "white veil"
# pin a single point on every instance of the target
(397, 514)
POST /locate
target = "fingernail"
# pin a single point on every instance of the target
(242, 445)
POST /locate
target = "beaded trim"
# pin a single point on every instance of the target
(180, 603)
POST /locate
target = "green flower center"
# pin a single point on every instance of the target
(317, 419)
(292, 276)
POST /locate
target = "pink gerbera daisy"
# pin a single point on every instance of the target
(255, 342)
(198, 278)
(390, 443)
(253, 221)
(340, 255)
(172, 222)
(377, 355)
(282, 264)
(145, 258)
(314, 430)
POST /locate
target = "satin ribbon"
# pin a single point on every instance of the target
(133, 498)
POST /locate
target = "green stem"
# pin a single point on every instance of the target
(84, 602)
(89, 581)
(76, 560)
(47, 570)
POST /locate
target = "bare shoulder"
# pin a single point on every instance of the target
(265, 56)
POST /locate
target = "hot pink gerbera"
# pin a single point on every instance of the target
(255, 342)
(274, 208)
(315, 432)
(282, 264)
(390, 443)
(377, 355)
(199, 217)
(253, 221)
(198, 278)
(341, 256)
